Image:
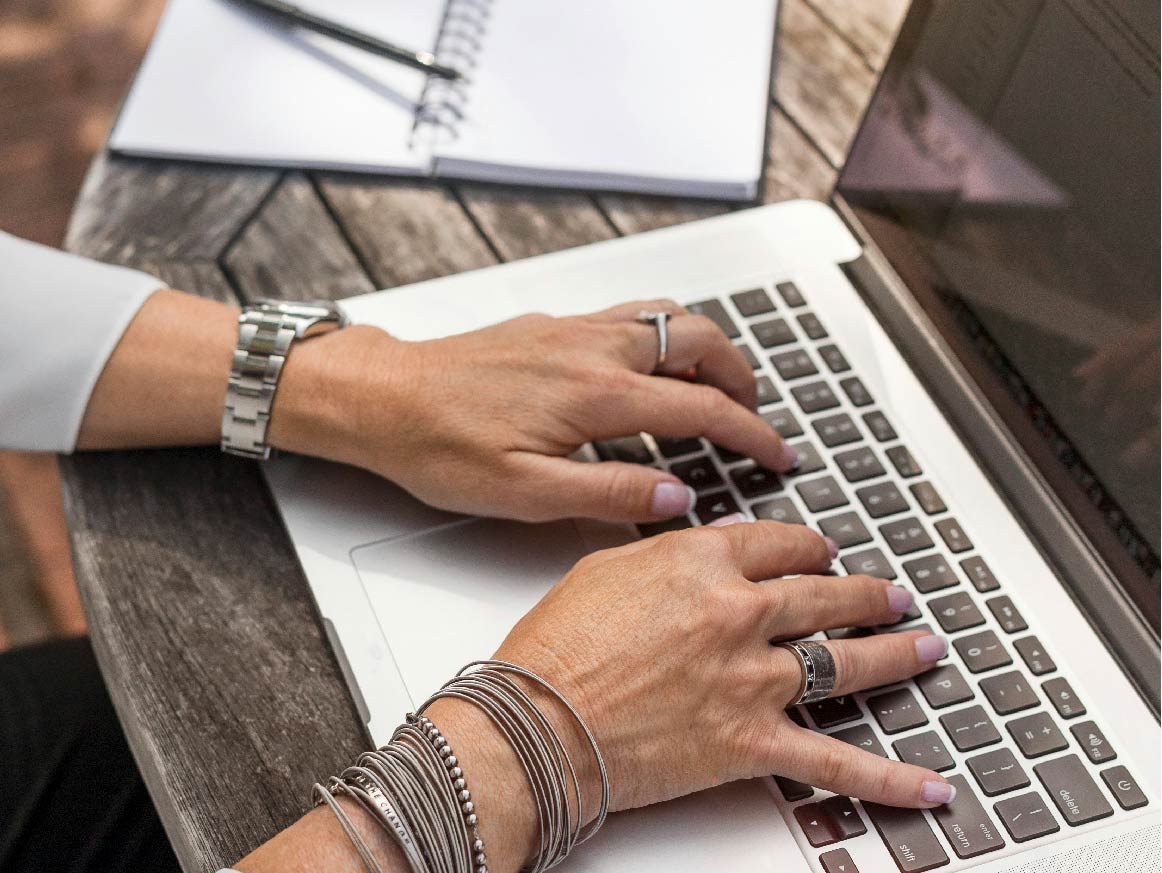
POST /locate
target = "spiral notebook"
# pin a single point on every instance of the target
(647, 96)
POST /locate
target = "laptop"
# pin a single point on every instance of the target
(963, 346)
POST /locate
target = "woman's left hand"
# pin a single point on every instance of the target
(483, 422)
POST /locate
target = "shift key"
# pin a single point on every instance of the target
(908, 837)
(966, 825)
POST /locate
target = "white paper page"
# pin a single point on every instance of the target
(644, 90)
(223, 83)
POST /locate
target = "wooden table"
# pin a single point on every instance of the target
(198, 610)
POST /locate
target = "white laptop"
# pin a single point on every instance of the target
(949, 324)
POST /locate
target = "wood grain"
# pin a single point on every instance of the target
(869, 25)
(522, 223)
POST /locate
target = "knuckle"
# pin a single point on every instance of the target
(847, 673)
(621, 491)
(834, 766)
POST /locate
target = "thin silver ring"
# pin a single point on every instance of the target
(818, 668)
(660, 322)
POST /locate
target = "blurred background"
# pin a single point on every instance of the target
(64, 66)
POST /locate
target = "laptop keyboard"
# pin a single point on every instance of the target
(992, 716)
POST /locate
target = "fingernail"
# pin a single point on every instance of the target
(899, 599)
(931, 648)
(832, 547)
(790, 459)
(937, 792)
(672, 498)
(733, 518)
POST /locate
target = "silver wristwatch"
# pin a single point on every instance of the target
(266, 330)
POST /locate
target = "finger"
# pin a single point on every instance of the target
(669, 408)
(610, 490)
(770, 549)
(866, 662)
(833, 765)
(802, 606)
(624, 312)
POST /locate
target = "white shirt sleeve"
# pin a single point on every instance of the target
(60, 319)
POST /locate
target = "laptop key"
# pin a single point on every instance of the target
(869, 562)
(903, 461)
(1073, 790)
(784, 422)
(699, 473)
(752, 480)
(837, 861)
(897, 711)
(766, 391)
(821, 494)
(810, 461)
(631, 450)
(979, 574)
(930, 573)
(1124, 788)
(882, 500)
(778, 509)
(1063, 698)
(944, 686)
(775, 332)
(675, 447)
(815, 397)
(856, 391)
(997, 771)
(924, 750)
(660, 527)
(834, 711)
(749, 355)
(928, 498)
(908, 837)
(792, 790)
(1033, 654)
(1093, 742)
(836, 430)
(1006, 614)
(812, 326)
(953, 535)
(859, 464)
(956, 612)
(791, 294)
(753, 302)
(861, 736)
(879, 426)
(1009, 692)
(844, 819)
(815, 825)
(970, 728)
(1037, 735)
(715, 506)
(966, 825)
(1026, 817)
(982, 651)
(794, 364)
(846, 529)
(834, 358)
(716, 312)
(727, 456)
(906, 536)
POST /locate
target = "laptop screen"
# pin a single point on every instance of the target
(1008, 166)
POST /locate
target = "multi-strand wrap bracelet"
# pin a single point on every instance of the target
(416, 790)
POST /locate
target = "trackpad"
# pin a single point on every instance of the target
(449, 595)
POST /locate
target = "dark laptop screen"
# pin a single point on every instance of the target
(1009, 168)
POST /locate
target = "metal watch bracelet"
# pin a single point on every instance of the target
(266, 330)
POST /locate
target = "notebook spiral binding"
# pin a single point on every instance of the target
(442, 101)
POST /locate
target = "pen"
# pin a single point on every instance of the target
(424, 61)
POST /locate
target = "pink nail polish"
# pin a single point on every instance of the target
(899, 599)
(937, 792)
(790, 459)
(931, 648)
(671, 499)
(733, 518)
(832, 547)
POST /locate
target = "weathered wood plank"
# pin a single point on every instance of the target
(204, 629)
(820, 80)
(293, 250)
(405, 231)
(869, 25)
(130, 209)
(631, 213)
(795, 167)
(521, 223)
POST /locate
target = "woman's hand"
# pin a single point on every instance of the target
(482, 422)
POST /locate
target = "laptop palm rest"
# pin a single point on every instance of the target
(448, 595)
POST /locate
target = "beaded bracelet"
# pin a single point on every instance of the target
(459, 785)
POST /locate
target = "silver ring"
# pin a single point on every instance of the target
(818, 670)
(660, 321)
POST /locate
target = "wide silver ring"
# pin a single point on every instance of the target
(660, 321)
(818, 667)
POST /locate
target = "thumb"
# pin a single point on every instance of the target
(610, 490)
